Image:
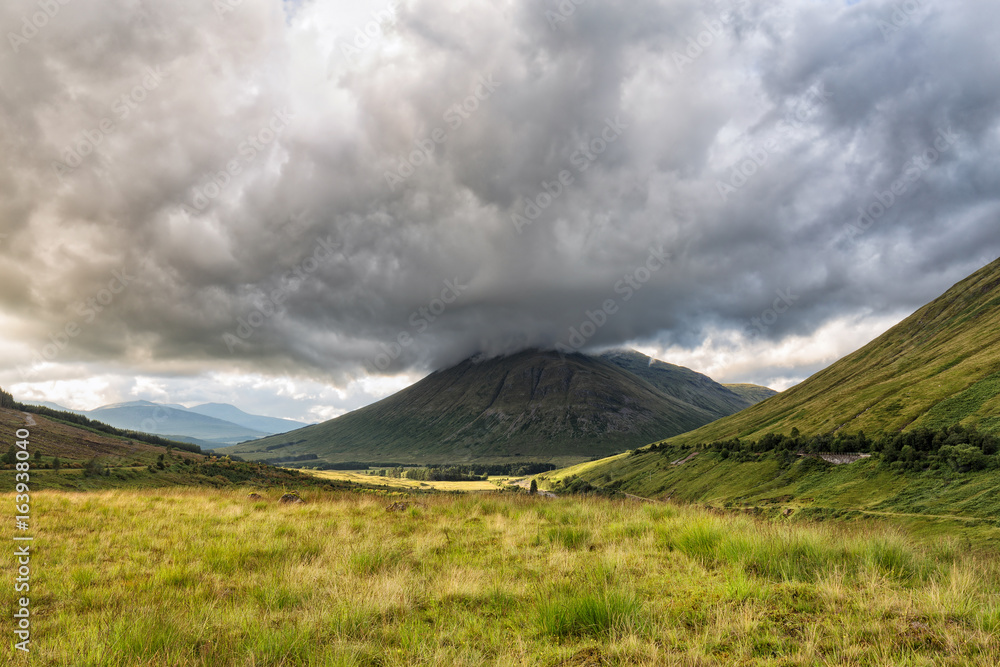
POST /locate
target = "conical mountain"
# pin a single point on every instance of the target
(531, 406)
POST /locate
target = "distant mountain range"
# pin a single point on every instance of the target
(532, 406)
(210, 425)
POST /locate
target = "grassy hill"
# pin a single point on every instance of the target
(688, 385)
(781, 484)
(938, 367)
(89, 459)
(754, 393)
(531, 406)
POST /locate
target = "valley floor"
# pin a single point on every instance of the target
(209, 577)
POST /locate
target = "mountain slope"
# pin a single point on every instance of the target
(938, 367)
(754, 393)
(233, 414)
(531, 406)
(70, 442)
(688, 385)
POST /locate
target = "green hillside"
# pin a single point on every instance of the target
(934, 503)
(84, 456)
(689, 386)
(751, 392)
(531, 406)
(938, 367)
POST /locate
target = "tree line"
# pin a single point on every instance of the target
(959, 448)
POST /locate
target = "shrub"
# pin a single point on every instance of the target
(93, 468)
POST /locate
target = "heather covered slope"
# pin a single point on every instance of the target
(531, 406)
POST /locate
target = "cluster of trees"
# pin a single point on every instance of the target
(795, 443)
(465, 473)
(346, 465)
(291, 459)
(450, 474)
(959, 448)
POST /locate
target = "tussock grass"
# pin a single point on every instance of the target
(604, 614)
(193, 577)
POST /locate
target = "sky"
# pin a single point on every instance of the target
(301, 207)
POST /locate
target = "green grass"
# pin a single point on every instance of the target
(207, 577)
(606, 614)
(933, 503)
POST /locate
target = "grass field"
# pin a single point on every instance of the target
(208, 577)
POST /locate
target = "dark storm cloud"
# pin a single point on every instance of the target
(478, 177)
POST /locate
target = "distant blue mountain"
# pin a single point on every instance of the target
(208, 425)
(55, 406)
(233, 414)
(163, 420)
